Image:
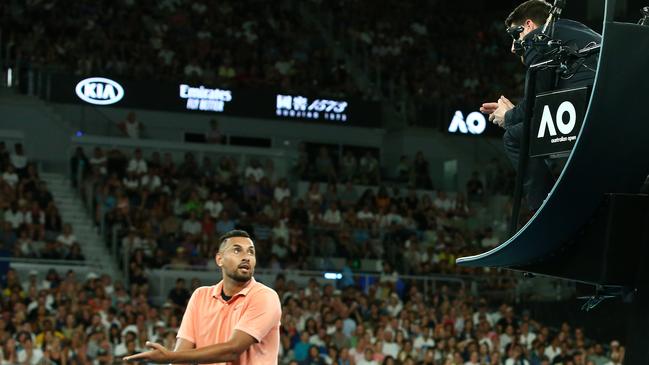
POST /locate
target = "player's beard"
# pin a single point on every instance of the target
(239, 277)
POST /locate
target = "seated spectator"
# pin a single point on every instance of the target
(75, 253)
(14, 216)
(254, 170)
(137, 164)
(213, 205)
(25, 246)
(151, 180)
(332, 217)
(67, 238)
(282, 191)
(225, 223)
(179, 295)
(349, 196)
(10, 176)
(191, 225)
(313, 195)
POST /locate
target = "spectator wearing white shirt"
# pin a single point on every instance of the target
(67, 237)
(25, 245)
(191, 225)
(394, 218)
(10, 176)
(131, 127)
(213, 205)
(35, 219)
(365, 214)
(18, 159)
(282, 191)
(131, 241)
(332, 216)
(131, 182)
(526, 337)
(423, 339)
(14, 216)
(151, 180)
(442, 202)
(368, 359)
(554, 349)
(516, 356)
(507, 337)
(137, 164)
(255, 170)
(29, 354)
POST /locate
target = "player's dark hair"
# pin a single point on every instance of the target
(231, 234)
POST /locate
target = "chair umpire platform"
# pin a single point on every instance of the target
(594, 225)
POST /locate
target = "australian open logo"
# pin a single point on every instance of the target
(99, 91)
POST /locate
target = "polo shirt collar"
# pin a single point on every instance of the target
(216, 292)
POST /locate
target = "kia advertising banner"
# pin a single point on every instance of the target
(195, 97)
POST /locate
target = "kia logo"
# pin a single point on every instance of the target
(99, 91)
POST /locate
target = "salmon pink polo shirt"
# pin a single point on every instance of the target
(255, 310)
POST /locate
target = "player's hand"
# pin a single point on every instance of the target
(159, 354)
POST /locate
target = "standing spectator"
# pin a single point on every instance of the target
(214, 134)
(79, 165)
(98, 161)
(348, 167)
(19, 160)
(324, 165)
(475, 188)
(131, 127)
(403, 170)
(422, 172)
(369, 169)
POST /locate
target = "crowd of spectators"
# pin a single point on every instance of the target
(362, 166)
(235, 44)
(30, 223)
(440, 53)
(171, 213)
(67, 319)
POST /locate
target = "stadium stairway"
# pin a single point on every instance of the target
(73, 211)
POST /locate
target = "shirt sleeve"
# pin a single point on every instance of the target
(262, 314)
(187, 330)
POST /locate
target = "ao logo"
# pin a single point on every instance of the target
(475, 123)
(99, 91)
(548, 123)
